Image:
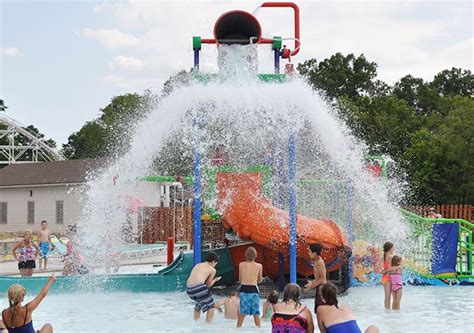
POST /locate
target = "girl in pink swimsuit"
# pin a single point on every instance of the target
(396, 282)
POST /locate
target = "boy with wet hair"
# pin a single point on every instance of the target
(231, 306)
(199, 283)
(319, 270)
(44, 244)
(250, 274)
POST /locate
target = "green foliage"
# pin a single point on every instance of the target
(342, 76)
(3, 107)
(426, 127)
(441, 161)
(454, 82)
(110, 133)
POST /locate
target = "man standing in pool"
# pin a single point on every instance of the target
(201, 279)
(319, 268)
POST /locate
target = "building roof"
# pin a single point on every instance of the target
(42, 173)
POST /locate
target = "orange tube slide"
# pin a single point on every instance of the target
(252, 216)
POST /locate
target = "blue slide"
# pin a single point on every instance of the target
(444, 248)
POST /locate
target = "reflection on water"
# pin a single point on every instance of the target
(424, 309)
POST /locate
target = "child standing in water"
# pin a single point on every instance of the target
(319, 270)
(269, 305)
(388, 249)
(250, 273)
(231, 306)
(199, 283)
(396, 281)
(44, 244)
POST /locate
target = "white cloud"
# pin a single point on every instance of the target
(130, 84)
(126, 63)
(111, 38)
(11, 51)
(400, 37)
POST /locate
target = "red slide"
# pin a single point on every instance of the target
(252, 216)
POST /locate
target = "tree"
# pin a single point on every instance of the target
(385, 124)
(417, 94)
(440, 162)
(88, 142)
(3, 107)
(182, 78)
(454, 82)
(342, 76)
(111, 132)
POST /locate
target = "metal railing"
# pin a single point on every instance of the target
(422, 228)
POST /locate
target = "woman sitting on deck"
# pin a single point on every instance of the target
(17, 317)
(334, 317)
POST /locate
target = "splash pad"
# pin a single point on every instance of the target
(252, 114)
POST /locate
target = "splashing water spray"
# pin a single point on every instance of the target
(292, 174)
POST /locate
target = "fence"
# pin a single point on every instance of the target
(454, 211)
(159, 223)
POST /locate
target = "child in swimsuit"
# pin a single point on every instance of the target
(290, 315)
(396, 282)
(388, 249)
(44, 243)
(250, 274)
(269, 305)
(231, 306)
(201, 279)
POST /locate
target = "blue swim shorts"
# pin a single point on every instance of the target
(249, 303)
(44, 249)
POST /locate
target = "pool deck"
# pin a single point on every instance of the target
(55, 264)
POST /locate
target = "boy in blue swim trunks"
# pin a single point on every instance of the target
(250, 273)
(44, 243)
(200, 281)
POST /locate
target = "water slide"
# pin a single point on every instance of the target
(252, 216)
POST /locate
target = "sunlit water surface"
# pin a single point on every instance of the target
(424, 309)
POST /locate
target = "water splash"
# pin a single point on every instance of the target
(252, 120)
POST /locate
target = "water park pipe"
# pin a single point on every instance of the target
(296, 20)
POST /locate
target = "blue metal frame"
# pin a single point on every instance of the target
(196, 59)
(197, 192)
(292, 176)
(350, 227)
(277, 55)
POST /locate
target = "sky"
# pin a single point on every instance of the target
(62, 61)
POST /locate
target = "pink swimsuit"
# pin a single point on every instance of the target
(396, 281)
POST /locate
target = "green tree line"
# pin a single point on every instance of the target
(426, 127)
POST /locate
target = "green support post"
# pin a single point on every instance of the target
(196, 42)
(277, 43)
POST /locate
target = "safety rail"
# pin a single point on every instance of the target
(422, 232)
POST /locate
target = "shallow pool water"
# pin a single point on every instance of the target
(424, 309)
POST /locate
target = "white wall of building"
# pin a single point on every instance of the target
(44, 198)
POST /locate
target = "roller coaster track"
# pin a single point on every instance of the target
(16, 152)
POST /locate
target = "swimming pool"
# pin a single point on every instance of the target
(424, 309)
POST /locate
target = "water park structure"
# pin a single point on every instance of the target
(238, 200)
